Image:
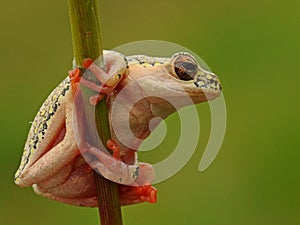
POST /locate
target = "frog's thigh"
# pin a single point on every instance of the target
(76, 180)
(89, 202)
(54, 160)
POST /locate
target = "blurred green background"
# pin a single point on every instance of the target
(252, 45)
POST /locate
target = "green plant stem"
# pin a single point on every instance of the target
(85, 31)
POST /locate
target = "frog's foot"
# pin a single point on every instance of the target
(74, 76)
(118, 171)
(111, 168)
(135, 194)
(116, 69)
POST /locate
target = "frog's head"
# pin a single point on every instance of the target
(157, 87)
(199, 84)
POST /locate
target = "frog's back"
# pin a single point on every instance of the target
(39, 138)
(146, 60)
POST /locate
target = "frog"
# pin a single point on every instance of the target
(53, 161)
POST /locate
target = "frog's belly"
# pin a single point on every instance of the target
(74, 185)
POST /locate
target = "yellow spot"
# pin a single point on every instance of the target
(146, 64)
(48, 123)
(54, 97)
(31, 150)
(35, 130)
(42, 112)
(46, 102)
(157, 64)
(208, 76)
(201, 83)
(65, 86)
(51, 110)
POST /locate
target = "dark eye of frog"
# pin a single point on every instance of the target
(185, 67)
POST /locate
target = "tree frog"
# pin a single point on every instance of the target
(52, 162)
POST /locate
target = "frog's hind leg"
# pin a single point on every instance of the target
(83, 201)
(54, 159)
(118, 171)
(134, 175)
(128, 195)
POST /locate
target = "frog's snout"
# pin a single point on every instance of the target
(209, 83)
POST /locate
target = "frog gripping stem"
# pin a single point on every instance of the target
(87, 62)
(84, 19)
(74, 76)
(115, 148)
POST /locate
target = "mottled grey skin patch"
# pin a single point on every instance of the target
(207, 80)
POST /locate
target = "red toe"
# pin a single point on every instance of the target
(112, 145)
(149, 194)
(87, 62)
(74, 78)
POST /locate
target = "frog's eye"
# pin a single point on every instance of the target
(185, 66)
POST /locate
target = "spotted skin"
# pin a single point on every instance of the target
(51, 161)
(41, 123)
(207, 81)
(146, 61)
(202, 79)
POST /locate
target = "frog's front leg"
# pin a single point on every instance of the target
(116, 69)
